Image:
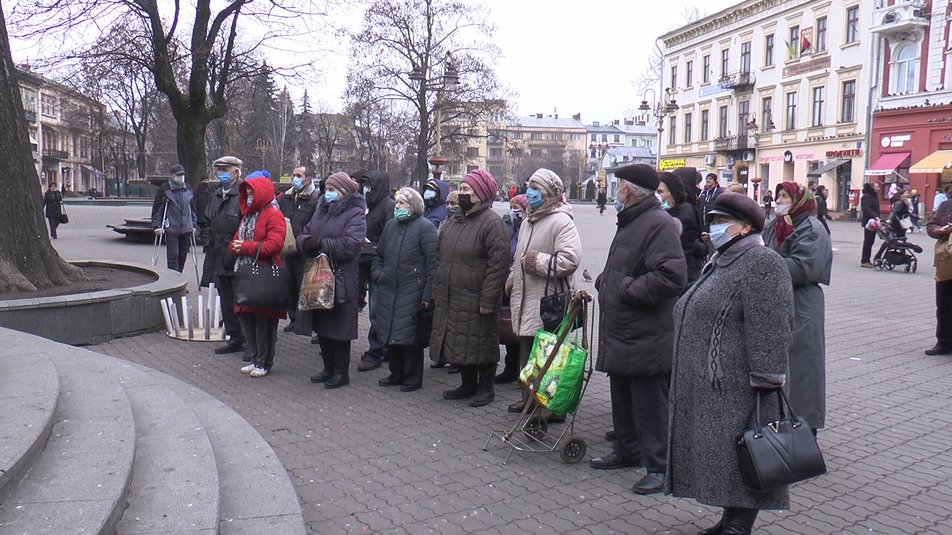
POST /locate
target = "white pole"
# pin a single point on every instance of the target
(211, 291)
(165, 314)
(201, 312)
(185, 322)
(174, 312)
(208, 323)
(217, 309)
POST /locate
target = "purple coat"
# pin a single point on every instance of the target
(341, 226)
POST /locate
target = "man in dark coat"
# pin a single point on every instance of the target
(174, 217)
(434, 201)
(869, 209)
(643, 277)
(707, 197)
(379, 198)
(53, 207)
(218, 225)
(297, 204)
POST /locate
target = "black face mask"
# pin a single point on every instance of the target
(466, 201)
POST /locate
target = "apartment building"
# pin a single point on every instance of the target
(770, 91)
(518, 147)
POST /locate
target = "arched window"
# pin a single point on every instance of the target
(905, 70)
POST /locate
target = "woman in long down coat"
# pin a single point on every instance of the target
(472, 265)
(402, 273)
(732, 330)
(337, 228)
(808, 253)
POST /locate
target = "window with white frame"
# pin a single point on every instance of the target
(852, 24)
(768, 50)
(904, 70)
(820, 36)
(687, 127)
(848, 100)
(818, 97)
(791, 119)
(705, 124)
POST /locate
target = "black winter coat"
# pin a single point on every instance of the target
(643, 277)
(53, 204)
(379, 211)
(340, 226)
(403, 278)
(219, 224)
(691, 244)
(299, 209)
(868, 205)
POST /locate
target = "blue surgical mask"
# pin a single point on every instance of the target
(224, 178)
(619, 206)
(534, 197)
(297, 183)
(330, 196)
(250, 201)
(429, 194)
(665, 205)
(719, 235)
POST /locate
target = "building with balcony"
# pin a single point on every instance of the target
(517, 147)
(771, 90)
(911, 84)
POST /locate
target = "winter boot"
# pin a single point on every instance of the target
(467, 388)
(738, 521)
(511, 372)
(484, 388)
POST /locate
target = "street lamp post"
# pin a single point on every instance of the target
(447, 82)
(659, 110)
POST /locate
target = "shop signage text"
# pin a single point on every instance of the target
(779, 157)
(895, 141)
(671, 163)
(848, 153)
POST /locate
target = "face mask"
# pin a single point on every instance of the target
(401, 213)
(366, 190)
(429, 194)
(224, 178)
(719, 235)
(619, 206)
(515, 214)
(782, 209)
(330, 196)
(465, 201)
(250, 201)
(454, 210)
(297, 183)
(178, 179)
(534, 197)
(665, 205)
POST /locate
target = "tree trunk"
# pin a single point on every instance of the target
(27, 259)
(190, 143)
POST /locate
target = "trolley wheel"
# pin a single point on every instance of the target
(890, 267)
(536, 427)
(573, 450)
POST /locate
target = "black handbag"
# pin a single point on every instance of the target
(341, 297)
(424, 326)
(553, 307)
(262, 286)
(778, 453)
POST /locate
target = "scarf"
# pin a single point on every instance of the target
(246, 231)
(802, 203)
(549, 206)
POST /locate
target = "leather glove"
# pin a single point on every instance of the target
(312, 246)
(159, 231)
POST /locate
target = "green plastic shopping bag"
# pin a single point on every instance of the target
(558, 390)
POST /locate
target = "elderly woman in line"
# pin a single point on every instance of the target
(797, 235)
(732, 331)
(674, 201)
(337, 228)
(548, 250)
(402, 273)
(472, 263)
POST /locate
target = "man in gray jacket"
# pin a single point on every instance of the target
(173, 216)
(643, 277)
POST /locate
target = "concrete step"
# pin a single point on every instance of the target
(80, 481)
(29, 393)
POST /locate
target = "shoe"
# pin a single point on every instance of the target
(248, 355)
(652, 483)
(437, 365)
(367, 365)
(289, 327)
(553, 418)
(482, 398)
(610, 435)
(410, 388)
(866, 265)
(453, 370)
(258, 372)
(389, 381)
(506, 377)
(248, 369)
(713, 530)
(337, 381)
(517, 407)
(459, 393)
(613, 461)
(322, 377)
(738, 521)
(938, 349)
(233, 346)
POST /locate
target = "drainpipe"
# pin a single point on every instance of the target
(875, 53)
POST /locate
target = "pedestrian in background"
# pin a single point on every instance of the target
(707, 197)
(547, 254)
(768, 203)
(434, 199)
(174, 218)
(940, 228)
(806, 250)
(467, 290)
(732, 330)
(337, 228)
(297, 204)
(822, 210)
(940, 197)
(869, 211)
(403, 276)
(53, 207)
(643, 277)
(601, 200)
(914, 208)
(260, 238)
(376, 189)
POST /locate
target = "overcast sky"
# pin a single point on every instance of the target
(566, 55)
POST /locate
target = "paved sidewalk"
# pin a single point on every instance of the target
(366, 459)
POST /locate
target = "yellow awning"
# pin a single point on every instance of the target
(933, 163)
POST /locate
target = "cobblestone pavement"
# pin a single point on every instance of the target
(366, 459)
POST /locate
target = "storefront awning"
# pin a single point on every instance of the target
(888, 163)
(933, 163)
(827, 167)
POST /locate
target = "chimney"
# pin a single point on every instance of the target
(25, 67)
(538, 116)
(556, 115)
(616, 122)
(629, 122)
(577, 117)
(596, 123)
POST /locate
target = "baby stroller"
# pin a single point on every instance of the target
(895, 250)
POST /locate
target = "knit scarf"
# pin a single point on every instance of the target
(549, 206)
(802, 203)
(246, 231)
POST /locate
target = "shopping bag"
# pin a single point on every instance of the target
(317, 286)
(559, 388)
(289, 247)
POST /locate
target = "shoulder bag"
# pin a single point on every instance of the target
(553, 307)
(262, 286)
(341, 296)
(64, 217)
(778, 453)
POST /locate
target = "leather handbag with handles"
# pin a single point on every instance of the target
(778, 453)
(553, 307)
(262, 286)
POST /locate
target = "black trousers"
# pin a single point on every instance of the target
(406, 364)
(226, 289)
(869, 236)
(295, 265)
(640, 416)
(943, 313)
(336, 355)
(176, 250)
(261, 333)
(54, 222)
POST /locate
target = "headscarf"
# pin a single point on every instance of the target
(521, 201)
(412, 198)
(341, 182)
(483, 184)
(802, 203)
(547, 182)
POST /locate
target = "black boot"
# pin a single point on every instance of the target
(713, 530)
(327, 373)
(467, 388)
(341, 366)
(484, 387)
(738, 521)
(234, 345)
(511, 372)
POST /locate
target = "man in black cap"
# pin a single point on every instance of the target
(174, 217)
(643, 277)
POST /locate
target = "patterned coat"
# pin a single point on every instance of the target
(471, 269)
(732, 331)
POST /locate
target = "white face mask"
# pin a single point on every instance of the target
(719, 235)
(782, 209)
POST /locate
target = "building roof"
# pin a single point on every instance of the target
(729, 11)
(643, 129)
(546, 122)
(603, 129)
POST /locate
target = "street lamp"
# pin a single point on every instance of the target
(659, 111)
(448, 82)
